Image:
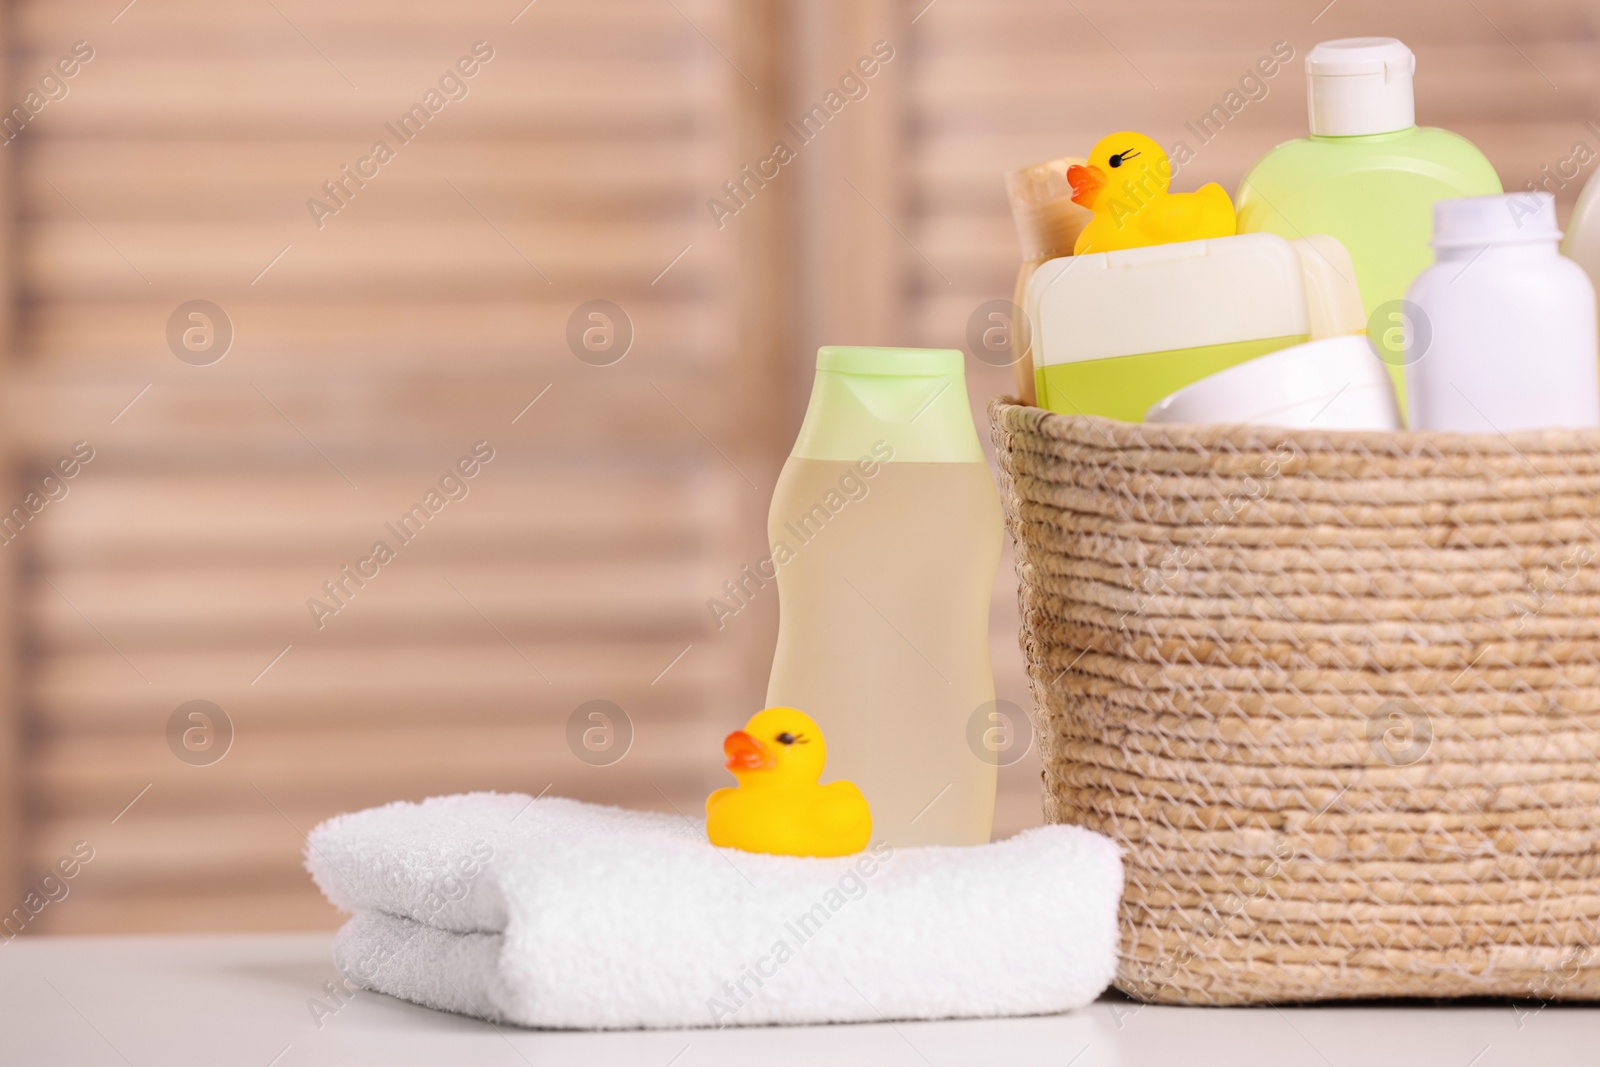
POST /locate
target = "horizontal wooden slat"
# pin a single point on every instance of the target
(120, 94)
(1232, 26)
(558, 22)
(317, 682)
(190, 179)
(208, 520)
(198, 608)
(966, 98)
(258, 421)
(464, 257)
(963, 171)
(211, 519)
(385, 335)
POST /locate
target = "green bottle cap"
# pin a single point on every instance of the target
(910, 403)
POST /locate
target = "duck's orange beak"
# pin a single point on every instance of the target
(745, 753)
(1086, 184)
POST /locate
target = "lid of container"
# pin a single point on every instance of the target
(1511, 218)
(1256, 390)
(1360, 85)
(908, 405)
(910, 362)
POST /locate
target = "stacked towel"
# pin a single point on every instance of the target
(552, 913)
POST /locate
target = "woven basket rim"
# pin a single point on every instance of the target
(1198, 437)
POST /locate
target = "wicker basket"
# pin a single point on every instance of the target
(1335, 694)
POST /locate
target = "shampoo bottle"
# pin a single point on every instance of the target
(1368, 174)
(886, 529)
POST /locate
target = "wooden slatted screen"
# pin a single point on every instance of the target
(374, 345)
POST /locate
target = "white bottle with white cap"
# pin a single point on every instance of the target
(1501, 335)
(1367, 174)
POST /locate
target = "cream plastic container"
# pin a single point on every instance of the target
(1504, 331)
(1336, 384)
(1115, 332)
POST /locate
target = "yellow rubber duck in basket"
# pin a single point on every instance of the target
(1125, 183)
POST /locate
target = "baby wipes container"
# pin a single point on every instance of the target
(1115, 332)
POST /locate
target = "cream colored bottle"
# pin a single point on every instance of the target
(886, 530)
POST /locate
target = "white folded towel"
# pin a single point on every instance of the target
(552, 913)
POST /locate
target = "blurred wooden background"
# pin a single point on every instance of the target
(432, 310)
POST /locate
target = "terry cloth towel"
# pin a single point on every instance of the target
(553, 913)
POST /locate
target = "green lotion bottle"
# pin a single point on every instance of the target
(1368, 175)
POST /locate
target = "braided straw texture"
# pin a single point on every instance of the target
(1334, 694)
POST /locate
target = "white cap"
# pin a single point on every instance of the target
(1360, 85)
(1335, 384)
(1511, 218)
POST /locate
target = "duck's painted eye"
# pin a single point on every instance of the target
(1122, 157)
(786, 738)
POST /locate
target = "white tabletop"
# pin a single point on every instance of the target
(245, 1000)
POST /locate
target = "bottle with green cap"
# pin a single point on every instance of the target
(1368, 175)
(886, 531)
